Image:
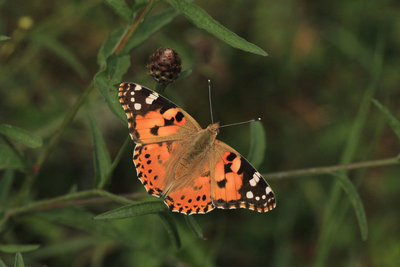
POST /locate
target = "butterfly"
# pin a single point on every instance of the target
(184, 164)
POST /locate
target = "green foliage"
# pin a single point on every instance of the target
(257, 144)
(107, 79)
(8, 157)
(20, 135)
(101, 157)
(356, 202)
(200, 18)
(133, 210)
(121, 8)
(17, 248)
(4, 38)
(314, 95)
(393, 122)
(19, 261)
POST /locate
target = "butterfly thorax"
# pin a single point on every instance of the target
(196, 151)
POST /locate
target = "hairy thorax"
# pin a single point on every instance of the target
(193, 160)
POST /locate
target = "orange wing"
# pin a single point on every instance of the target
(237, 184)
(156, 166)
(152, 118)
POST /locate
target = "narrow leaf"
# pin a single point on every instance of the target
(8, 158)
(194, 226)
(20, 135)
(4, 38)
(101, 157)
(356, 202)
(17, 248)
(2, 264)
(393, 122)
(62, 51)
(203, 20)
(170, 226)
(107, 82)
(83, 220)
(257, 144)
(121, 8)
(109, 45)
(19, 261)
(5, 187)
(133, 210)
(147, 28)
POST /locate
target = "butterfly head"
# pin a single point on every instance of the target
(213, 128)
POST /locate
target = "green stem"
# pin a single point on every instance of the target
(30, 178)
(115, 162)
(54, 202)
(329, 169)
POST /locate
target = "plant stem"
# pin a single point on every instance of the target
(30, 178)
(67, 199)
(121, 44)
(115, 162)
(328, 169)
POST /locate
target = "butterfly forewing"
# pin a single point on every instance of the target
(153, 118)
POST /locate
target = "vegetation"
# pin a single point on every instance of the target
(328, 142)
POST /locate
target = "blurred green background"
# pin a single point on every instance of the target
(326, 60)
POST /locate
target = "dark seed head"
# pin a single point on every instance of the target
(164, 65)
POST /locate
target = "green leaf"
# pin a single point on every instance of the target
(170, 225)
(203, 20)
(19, 261)
(147, 28)
(83, 220)
(17, 248)
(2, 264)
(8, 158)
(4, 38)
(355, 200)
(107, 82)
(132, 210)
(121, 8)
(101, 157)
(393, 122)
(109, 45)
(60, 50)
(257, 144)
(194, 226)
(20, 135)
(5, 187)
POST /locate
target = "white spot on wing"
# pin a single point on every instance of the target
(249, 194)
(132, 99)
(132, 93)
(257, 198)
(263, 197)
(138, 88)
(138, 106)
(268, 190)
(151, 98)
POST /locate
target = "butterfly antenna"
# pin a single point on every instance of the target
(209, 100)
(239, 123)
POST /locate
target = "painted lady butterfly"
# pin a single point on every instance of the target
(186, 165)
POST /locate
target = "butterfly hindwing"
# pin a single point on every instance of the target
(153, 118)
(192, 196)
(237, 184)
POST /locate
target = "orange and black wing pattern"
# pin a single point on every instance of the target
(237, 184)
(152, 118)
